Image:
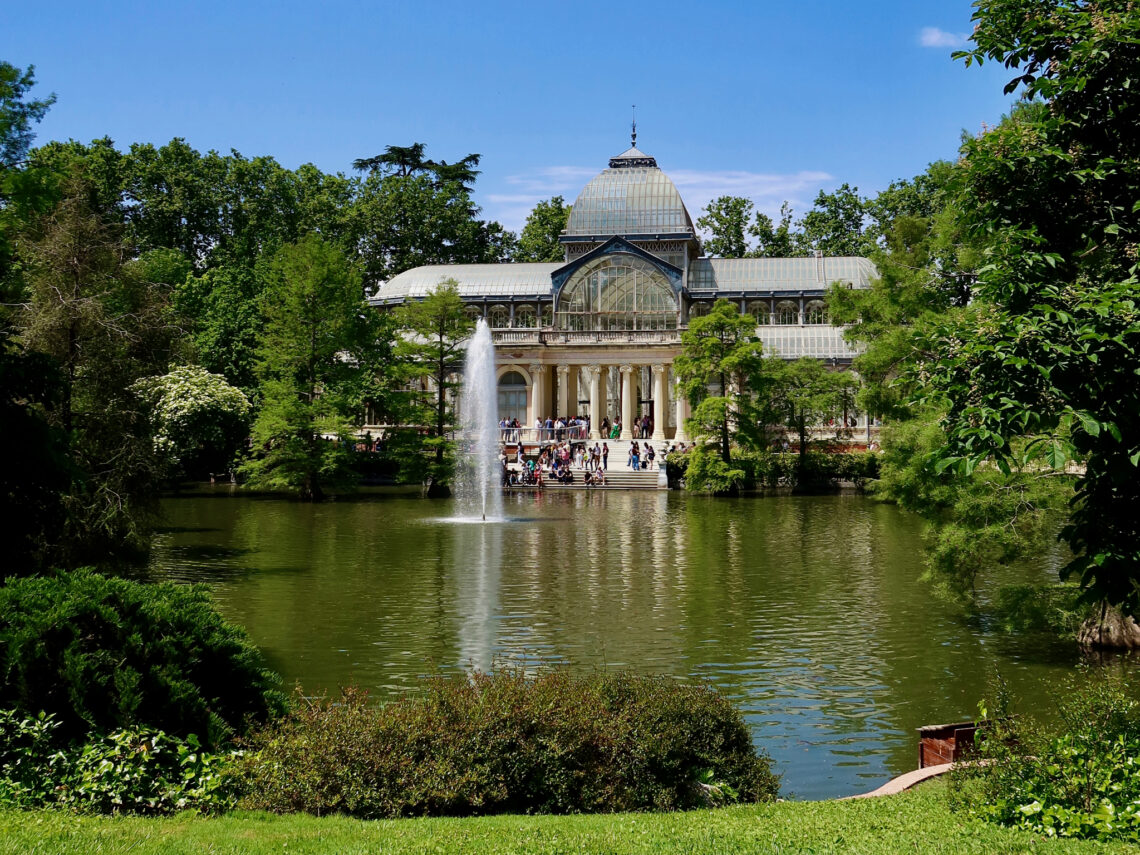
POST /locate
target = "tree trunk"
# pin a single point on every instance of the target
(1108, 628)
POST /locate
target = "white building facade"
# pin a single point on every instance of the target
(597, 333)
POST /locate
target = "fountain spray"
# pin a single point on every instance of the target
(477, 485)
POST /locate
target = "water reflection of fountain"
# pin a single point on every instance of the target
(477, 484)
(477, 601)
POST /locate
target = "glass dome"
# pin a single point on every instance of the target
(629, 198)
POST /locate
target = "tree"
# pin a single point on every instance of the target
(806, 393)
(18, 114)
(726, 220)
(315, 363)
(775, 241)
(409, 221)
(538, 240)
(20, 193)
(1042, 366)
(94, 313)
(719, 363)
(199, 420)
(836, 224)
(431, 351)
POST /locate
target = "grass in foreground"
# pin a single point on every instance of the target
(918, 821)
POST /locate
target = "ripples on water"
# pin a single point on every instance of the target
(806, 611)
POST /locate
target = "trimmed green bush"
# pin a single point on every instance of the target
(128, 771)
(508, 743)
(703, 471)
(102, 653)
(1079, 779)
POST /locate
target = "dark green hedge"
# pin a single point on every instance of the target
(508, 743)
(102, 653)
(758, 469)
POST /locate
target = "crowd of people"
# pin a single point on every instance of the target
(566, 451)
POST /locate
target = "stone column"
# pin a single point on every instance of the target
(682, 414)
(563, 390)
(660, 392)
(572, 390)
(597, 398)
(537, 394)
(626, 401)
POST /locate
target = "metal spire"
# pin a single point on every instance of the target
(633, 129)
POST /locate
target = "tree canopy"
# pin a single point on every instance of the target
(1042, 365)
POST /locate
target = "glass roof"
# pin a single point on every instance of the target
(489, 281)
(821, 341)
(636, 200)
(777, 274)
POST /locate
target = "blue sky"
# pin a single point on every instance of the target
(763, 99)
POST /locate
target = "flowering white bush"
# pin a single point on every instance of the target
(198, 418)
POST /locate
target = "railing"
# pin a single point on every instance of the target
(538, 436)
(516, 336)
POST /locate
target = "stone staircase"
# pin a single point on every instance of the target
(619, 476)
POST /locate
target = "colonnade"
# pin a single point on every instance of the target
(565, 402)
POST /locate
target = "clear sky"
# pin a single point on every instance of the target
(762, 99)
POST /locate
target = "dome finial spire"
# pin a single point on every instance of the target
(633, 129)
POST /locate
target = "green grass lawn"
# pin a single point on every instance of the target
(917, 821)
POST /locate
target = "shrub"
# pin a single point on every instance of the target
(1079, 779)
(706, 472)
(703, 471)
(102, 653)
(127, 771)
(504, 742)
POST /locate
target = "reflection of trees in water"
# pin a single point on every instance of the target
(807, 610)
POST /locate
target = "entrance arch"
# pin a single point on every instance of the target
(513, 389)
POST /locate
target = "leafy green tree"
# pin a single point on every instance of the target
(315, 363)
(199, 420)
(776, 241)
(17, 113)
(538, 240)
(20, 193)
(837, 224)
(806, 393)
(1046, 352)
(405, 222)
(431, 352)
(726, 221)
(221, 312)
(94, 313)
(719, 365)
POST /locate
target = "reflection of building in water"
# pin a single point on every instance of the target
(597, 333)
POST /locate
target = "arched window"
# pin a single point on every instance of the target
(617, 292)
(512, 397)
(473, 312)
(525, 318)
(761, 311)
(499, 317)
(815, 312)
(698, 310)
(787, 312)
(547, 315)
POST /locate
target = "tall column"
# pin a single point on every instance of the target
(538, 393)
(572, 390)
(597, 399)
(563, 391)
(682, 414)
(626, 401)
(660, 391)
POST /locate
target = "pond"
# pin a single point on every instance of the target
(807, 611)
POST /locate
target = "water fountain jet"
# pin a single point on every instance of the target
(478, 492)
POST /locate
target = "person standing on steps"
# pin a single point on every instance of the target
(605, 456)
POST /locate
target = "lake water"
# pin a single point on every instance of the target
(806, 611)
